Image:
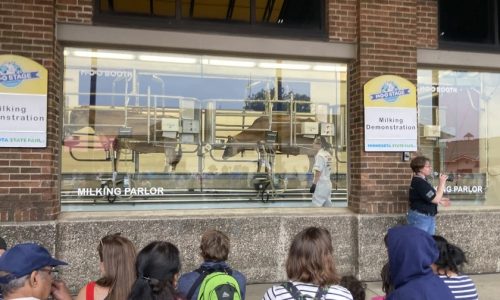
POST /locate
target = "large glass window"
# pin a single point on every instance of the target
(179, 130)
(460, 132)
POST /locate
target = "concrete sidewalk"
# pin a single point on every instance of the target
(488, 287)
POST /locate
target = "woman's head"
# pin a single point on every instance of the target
(214, 245)
(419, 163)
(157, 265)
(321, 142)
(451, 258)
(117, 256)
(310, 258)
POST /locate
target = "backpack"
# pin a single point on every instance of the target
(297, 295)
(215, 284)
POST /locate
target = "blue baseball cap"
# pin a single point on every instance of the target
(22, 259)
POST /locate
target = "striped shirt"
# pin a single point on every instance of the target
(461, 286)
(335, 292)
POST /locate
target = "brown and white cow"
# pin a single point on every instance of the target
(249, 138)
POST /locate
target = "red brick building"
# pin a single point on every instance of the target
(365, 39)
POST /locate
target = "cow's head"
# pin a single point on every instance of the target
(231, 149)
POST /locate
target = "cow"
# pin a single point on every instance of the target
(107, 122)
(250, 138)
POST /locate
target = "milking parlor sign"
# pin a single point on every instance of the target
(390, 114)
(23, 102)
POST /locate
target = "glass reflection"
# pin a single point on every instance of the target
(169, 127)
(459, 131)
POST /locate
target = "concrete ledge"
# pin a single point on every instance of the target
(448, 58)
(260, 237)
(43, 233)
(188, 41)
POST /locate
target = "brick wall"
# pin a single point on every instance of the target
(29, 177)
(342, 20)
(427, 24)
(386, 45)
(388, 34)
(74, 11)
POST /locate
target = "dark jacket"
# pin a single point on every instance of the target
(411, 252)
(187, 280)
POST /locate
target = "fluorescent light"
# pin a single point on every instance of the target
(111, 55)
(284, 66)
(169, 59)
(66, 52)
(330, 68)
(230, 63)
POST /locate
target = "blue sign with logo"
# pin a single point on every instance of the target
(390, 92)
(11, 74)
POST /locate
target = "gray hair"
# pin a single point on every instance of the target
(13, 285)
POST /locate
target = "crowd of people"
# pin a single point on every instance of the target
(420, 266)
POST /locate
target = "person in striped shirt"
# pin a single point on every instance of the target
(449, 268)
(310, 269)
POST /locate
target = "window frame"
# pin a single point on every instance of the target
(198, 25)
(470, 46)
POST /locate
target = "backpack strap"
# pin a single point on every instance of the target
(322, 291)
(292, 289)
(297, 295)
(204, 272)
(196, 284)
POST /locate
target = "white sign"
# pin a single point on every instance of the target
(390, 114)
(390, 129)
(23, 103)
(23, 120)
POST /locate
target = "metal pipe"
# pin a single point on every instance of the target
(149, 115)
(86, 159)
(135, 158)
(113, 88)
(291, 109)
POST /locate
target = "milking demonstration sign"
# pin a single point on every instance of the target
(390, 114)
(23, 102)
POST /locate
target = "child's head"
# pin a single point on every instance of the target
(157, 267)
(310, 257)
(356, 287)
(214, 245)
(451, 257)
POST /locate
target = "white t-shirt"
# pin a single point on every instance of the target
(323, 163)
